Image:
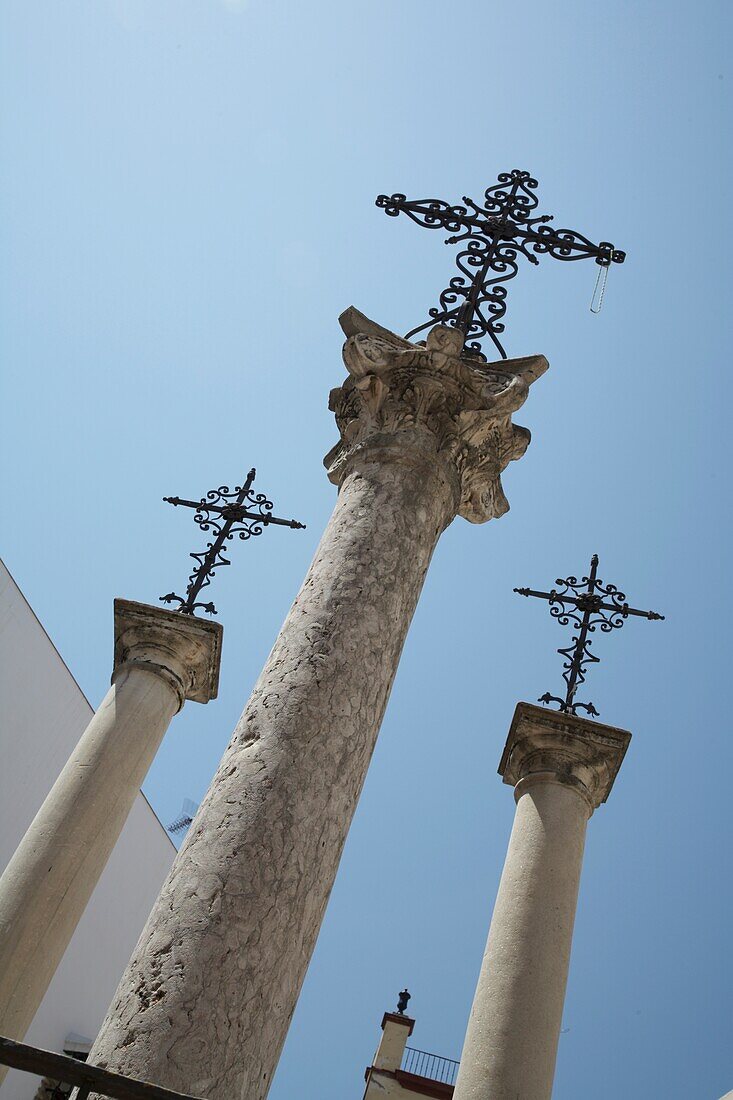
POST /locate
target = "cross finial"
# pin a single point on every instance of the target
(239, 512)
(587, 604)
(495, 233)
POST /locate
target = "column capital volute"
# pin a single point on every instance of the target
(552, 746)
(182, 649)
(404, 399)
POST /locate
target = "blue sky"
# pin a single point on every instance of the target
(187, 205)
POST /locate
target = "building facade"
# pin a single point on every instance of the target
(402, 1072)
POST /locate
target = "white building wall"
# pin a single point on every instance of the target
(42, 715)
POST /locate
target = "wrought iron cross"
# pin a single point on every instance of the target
(496, 234)
(241, 513)
(586, 604)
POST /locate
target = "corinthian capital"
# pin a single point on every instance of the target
(398, 392)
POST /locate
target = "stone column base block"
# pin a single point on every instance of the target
(562, 748)
(182, 648)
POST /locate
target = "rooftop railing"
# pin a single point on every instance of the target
(424, 1064)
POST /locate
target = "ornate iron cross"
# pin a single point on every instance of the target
(586, 604)
(241, 513)
(496, 233)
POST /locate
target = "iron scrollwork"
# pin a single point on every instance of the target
(587, 604)
(227, 514)
(494, 234)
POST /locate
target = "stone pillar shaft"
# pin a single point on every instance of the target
(563, 767)
(50, 878)
(231, 936)
(207, 998)
(515, 1023)
(52, 874)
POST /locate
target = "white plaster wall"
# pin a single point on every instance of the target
(42, 715)
(382, 1086)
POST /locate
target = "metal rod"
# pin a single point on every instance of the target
(575, 666)
(494, 236)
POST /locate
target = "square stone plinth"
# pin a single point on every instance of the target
(189, 647)
(574, 748)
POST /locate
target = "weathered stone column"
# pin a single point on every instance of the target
(562, 768)
(211, 987)
(161, 659)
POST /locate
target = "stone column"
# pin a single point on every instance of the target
(161, 658)
(562, 768)
(206, 1001)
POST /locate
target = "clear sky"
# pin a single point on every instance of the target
(187, 205)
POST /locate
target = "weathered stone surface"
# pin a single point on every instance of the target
(563, 767)
(206, 1001)
(466, 404)
(160, 659)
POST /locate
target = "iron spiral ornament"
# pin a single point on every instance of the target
(587, 605)
(227, 514)
(494, 235)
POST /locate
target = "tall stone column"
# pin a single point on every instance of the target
(562, 768)
(161, 659)
(207, 998)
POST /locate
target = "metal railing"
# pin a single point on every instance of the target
(80, 1075)
(424, 1064)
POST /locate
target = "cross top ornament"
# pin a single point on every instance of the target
(494, 235)
(227, 513)
(587, 604)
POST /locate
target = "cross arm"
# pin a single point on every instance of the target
(563, 244)
(586, 601)
(625, 610)
(235, 511)
(429, 213)
(567, 244)
(268, 519)
(175, 501)
(553, 597)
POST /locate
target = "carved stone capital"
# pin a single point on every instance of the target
(551, 746)
(184, 650)
(399, 393)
